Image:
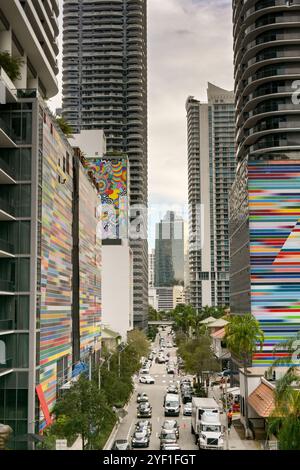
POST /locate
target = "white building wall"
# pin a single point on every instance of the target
(117, 288)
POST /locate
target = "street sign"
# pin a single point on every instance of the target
(61, 444)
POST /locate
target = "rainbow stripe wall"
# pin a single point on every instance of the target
(274, 206)
(56, 262)
(89, 265)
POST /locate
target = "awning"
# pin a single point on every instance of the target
(220, 334)
(262, 400)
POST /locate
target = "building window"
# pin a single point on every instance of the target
(68, 163)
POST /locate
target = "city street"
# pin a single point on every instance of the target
(156, 394)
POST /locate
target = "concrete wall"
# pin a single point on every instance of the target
(117, 285)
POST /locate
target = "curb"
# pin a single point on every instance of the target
(114, 432)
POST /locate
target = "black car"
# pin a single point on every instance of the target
(140, 439)
(187, 397)
(144, 410)
(121, 444)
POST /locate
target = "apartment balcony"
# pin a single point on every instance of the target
(7, 287)
(6, 326)
(6, 367)
(7, 173)
(6, 249)
(7, 211)
(7, 138)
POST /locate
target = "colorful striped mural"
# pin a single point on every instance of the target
(56, 262)
(89, 265)
(274, 210)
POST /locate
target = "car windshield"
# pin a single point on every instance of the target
(172, 403)
(211, 428)
(169, 424)
(168, 436)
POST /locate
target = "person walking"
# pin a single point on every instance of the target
(229, 418)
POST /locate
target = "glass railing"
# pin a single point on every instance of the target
(6, 325)
(6, 286)
(7, 365)
(6, 246)
(7, 168)
(26, 93)
(6, 206)
(7, 129)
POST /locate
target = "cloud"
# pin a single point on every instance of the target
(189, 43)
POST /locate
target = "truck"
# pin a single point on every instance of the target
(206, 424)
(172, 404)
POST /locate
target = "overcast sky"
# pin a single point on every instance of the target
(189, 44)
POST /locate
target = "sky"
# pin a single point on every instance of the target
(189, 44)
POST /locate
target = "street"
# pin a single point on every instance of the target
(156, 394)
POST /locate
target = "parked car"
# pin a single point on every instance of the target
(171, 425)
(167, 438)
(171, 370)
(187, 409)
(142, 397)
(144, 410)
(146, 379)
(140, 439)
(121, 444)
(144, 424)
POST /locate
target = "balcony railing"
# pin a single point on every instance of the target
(7, 168)
(6, 246)
(6, 325)
(6, 286)
(6, 206)
(7, 365)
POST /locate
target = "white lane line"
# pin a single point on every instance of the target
(158, 419)
(129, 432)
(163, 381)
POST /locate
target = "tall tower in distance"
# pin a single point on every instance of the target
(105, 87)
(264, 207)
(211, 170)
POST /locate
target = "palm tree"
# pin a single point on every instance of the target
(285, 418)
(242, 335)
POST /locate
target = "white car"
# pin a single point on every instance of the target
(144, 371)
(146, 379)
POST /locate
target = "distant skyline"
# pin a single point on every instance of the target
(189, 44)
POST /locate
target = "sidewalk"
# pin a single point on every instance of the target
(237, 439)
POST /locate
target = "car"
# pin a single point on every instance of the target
(167, 438)
(161, 359)
(144, 424)
(171, 425)
(154, 351)
(144, 371)
(170, 447)
(140, 439)
(144, 410)
(170, 370)
(187, 397)
(172, 389)
(142, 397)
(169, 345)
(146, 379)
(121, 444)
(187, 409)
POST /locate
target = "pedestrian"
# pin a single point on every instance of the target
(229, 418)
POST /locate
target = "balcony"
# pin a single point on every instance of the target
(6, 249)
(7, 173)
(7, 211)
(6, 326)
(6, 135)
(6, 287)
(6, 367)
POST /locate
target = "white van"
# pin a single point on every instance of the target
(172, 404)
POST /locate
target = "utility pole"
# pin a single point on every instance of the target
(226, 412)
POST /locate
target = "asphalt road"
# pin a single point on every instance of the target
(156, 393)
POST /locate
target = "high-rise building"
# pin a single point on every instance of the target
(169, 251)
(265, 210)
(211, 169)
(105, 86)
(151, 266)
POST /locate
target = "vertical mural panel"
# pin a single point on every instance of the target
(274, 205)
(89, 264)
(56, 259)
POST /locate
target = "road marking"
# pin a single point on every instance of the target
(158, 419)
(163, 376)
(129, 432)
(163, 381)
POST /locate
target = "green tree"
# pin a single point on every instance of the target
(65, 127)
(154, 315)
(83, 410)
(284, 421)
(198, 356)
(243, 335)
(11, 65)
